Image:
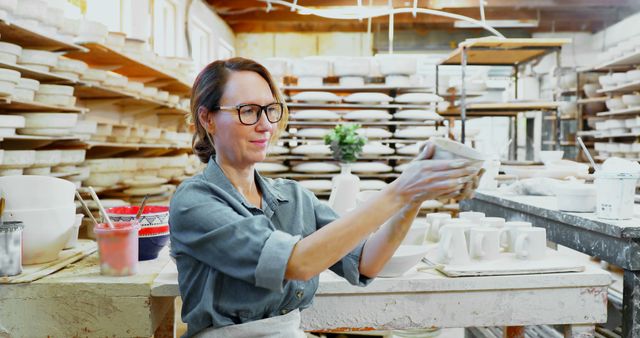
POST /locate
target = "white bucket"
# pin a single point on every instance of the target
(615, 195)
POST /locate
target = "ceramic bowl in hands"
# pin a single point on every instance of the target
(450, 150)
(405, 258)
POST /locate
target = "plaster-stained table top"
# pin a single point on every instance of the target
(426, 298)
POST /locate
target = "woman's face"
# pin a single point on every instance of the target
(236, 143)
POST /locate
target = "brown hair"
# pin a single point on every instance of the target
(208, 89)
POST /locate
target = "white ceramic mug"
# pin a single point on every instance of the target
(508, 234)
(452, 248)
(484, 243)
(472, 216)
(531, 243)
(435, 221)
(493, 222)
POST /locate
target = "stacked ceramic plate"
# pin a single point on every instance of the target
(69, 68)
(9, 53)
(8, 81)
(14, 161)
(316, 97)
(57, 95)
(316, 167)
(315, 115)
(26, 90)
(48, 124)
(269, 167)
(44, 160)
(145, 185)
(105, 173)
(103, 130)
(368, 115)
(419, 132)
(417, 115)
(85, 129)
(175, 167)
(9, 124)
(38, 60)
(94, 76)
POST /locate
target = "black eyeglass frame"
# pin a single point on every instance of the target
(263, 109)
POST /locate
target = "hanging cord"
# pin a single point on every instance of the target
(295, 3)
(482, 11)
(370, 45)
(329, 14)
(415, 8)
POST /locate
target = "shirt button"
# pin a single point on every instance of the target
(283, 311)
(299, 294)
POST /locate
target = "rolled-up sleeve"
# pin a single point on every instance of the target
(247, 247)
(349, 266)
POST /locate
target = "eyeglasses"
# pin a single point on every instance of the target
(249, 114)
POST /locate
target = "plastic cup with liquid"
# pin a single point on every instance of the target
(118, 248)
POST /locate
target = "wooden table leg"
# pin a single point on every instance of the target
(513, 332)
(631, 304)
(579, 331)
(166, 327)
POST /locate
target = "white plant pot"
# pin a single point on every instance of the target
(345, 188)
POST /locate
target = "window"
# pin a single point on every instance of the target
(165, 16)
(200, 44)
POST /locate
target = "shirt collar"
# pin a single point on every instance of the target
(270, 194)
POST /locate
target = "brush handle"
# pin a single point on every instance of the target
(104, 213)
(86, 208)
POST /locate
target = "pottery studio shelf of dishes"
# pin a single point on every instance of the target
(616, 127)
(395, 117)
(63, 112)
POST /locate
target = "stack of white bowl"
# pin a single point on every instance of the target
(116, 40)
(612, 127)
(15, 161)
(397, 68)
(44, 160)
(70, 68)
(38, 60)
(48, 124)
(103, 131)
(9, 124)
(94, 76)
(352, 71)
(8, 81)
(310, 72)
(30, 14)
(104, 173)
(625, 150)
(116, 80)
(84, 129)
(46, 208)
(92, 31)
(57, 95)
(119, 134)
(26, 89)
(9, 53)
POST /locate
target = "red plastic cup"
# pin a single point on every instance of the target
(118, 248)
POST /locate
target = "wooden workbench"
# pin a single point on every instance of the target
(617, 242)
(77, 301)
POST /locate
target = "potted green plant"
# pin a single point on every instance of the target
(346, 146)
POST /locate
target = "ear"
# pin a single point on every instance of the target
(206, 119)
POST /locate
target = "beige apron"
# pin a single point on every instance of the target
(285, 326)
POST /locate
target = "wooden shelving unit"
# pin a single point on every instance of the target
(101, 56)
(13, 33)
(14, 105)
(44, 77)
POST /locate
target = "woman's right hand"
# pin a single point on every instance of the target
(426, 179)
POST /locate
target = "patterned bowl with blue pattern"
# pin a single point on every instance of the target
(154, 227)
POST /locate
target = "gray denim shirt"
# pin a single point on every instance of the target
(232, 256)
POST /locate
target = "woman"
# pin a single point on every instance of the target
(249, 249)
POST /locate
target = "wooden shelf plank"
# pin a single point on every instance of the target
(628, 111)
(592, 100)
(363, 123)
(365, 88)
(47, 77)
(495, 51)
(627, 87)
(17, 105)
(510, 106)
(27, 38)
(88, 91)
(134, 146)
(357, 106)
(102, 56)
(624, 61)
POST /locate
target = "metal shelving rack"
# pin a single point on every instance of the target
(500, 52)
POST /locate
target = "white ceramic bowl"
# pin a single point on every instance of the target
(631, 100)
(633, 75)
(397, 65)
(47, 158)
(416, 233)
(615, 104)
(38, 57)
(591, 90)
(575, 197)
(36, 192)
(15, 159)
(50, 120)
(619, 78)
(606, 81)
(310, 67)
(548, 156)
(405, 258)
(46, 231)
(55, 90)
(448, 150)
(353, 66)
(70, 65)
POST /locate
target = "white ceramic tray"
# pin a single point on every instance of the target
(508, 264)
